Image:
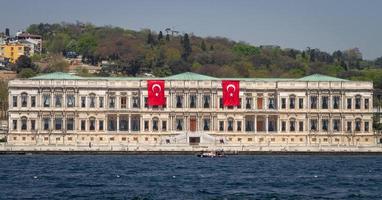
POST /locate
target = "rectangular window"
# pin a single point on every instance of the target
(206, 124)
(58, 123)
(46, 123)
(179, 124)
(221, 125)
(336, 102)
(239, 106)
(358, 103)
(238, 125)
(100, 125)
(33, 124)
(283, 126)
(135, 121)
(206, 101)
(14, 101)
(313, 125)
(164, 125)
(100, 102)
(179, 101)
(58, 101)
(325, 102)
(14, 124)
(283, 103)
(271, 103)
(313, 102)
(33, 101)
(366, 124)
(135, 102)
(111, 102)
(349, 102)
(146, 125)
(192, 101)
(92, 101)
(259, 102)
(221, 103)
(336, 125)
(230, 125)
(301, 103)
(301, 126)
(70, 101)
(69, 124)
(46, 100)
(123, 102)
(23, 123)
(292, 102)
(83, 125)
(83, 102)
(366, 104)
(325, 124)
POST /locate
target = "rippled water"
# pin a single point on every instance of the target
(189, 177)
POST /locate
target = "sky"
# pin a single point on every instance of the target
(328, 25)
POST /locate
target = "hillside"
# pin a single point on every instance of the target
(163, 53)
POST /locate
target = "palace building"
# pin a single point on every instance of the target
(189, 108)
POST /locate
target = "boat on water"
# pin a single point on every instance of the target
(211, 154)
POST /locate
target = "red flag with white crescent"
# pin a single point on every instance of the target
(231, 90)
(155, 90)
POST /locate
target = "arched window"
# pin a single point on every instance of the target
(357, 125)
(358, 102)
(292, 125)
(24, 123)
(155, 124)
(292, 101)
(92, 122)
(230, 124)
(92, 100)
(24, 99)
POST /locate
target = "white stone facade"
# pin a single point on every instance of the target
(113, 111)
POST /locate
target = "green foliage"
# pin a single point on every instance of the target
(245, 49)
(132, 53)
(27, 73)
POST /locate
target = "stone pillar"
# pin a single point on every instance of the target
(266, 123)
(129, 125)
(255, 124)
(117, 123)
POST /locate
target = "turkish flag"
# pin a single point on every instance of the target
(155, 90)
(231, 91)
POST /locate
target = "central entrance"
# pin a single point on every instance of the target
(192, 124)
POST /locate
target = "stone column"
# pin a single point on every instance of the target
(117, 123)
(255, 124)
(266, 123)
(129, 125)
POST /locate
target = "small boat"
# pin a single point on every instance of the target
(211, 154)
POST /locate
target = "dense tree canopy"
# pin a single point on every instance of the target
(134, 52)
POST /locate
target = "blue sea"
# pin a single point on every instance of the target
(190, 177)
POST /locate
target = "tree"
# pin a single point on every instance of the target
(27, 73)
(203, 46)
(378, 62)
(24, 62)
(160, 36)
(186, 47)
(150, 39)
(167, 37)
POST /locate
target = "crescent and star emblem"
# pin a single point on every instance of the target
(228, 89)
(157, 90)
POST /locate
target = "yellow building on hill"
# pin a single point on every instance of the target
(13, 51)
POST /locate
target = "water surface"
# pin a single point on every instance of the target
(189, 177)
